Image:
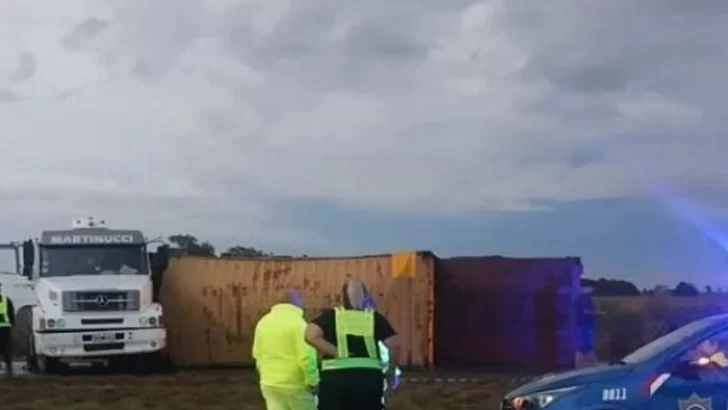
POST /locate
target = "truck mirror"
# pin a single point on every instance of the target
(161, 259)
(28, 258)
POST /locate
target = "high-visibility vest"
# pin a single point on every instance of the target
(353, 323)
(4, 318)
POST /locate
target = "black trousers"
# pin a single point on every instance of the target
(351, 389)
(6, 346)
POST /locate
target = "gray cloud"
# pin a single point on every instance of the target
(83, 32)
(9, 96)
(26, 67)
(439, 107)
(582, 157)
(579, 79)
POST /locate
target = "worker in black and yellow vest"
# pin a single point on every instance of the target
(7, 318)
(347, 338)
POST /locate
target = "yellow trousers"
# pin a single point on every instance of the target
(277, 398)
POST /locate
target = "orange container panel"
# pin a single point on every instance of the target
(212, 305)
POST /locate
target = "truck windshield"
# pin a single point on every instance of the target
(666, 342)
(93, 260)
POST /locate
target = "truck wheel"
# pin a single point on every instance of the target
(164, 363)
(43, 364)
(144, 364)
(50, 366)
(30, 359)
(22, 330)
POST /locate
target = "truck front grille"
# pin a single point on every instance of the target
(100, 301)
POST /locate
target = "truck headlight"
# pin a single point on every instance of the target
(55, 323)
(151, 321)
(539, 400)
(148, 321)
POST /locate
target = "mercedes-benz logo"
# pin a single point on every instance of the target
(101, 300)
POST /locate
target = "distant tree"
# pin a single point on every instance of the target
(708, 289)
(244, 252)
(189, 245)
(611, 287)
(685, 289)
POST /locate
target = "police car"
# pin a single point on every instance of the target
(686, 369)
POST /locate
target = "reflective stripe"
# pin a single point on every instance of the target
(358, 323)
(4, 320)
(351, 363)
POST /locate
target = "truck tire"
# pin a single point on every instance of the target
(22, 330)
(145, 364)
(44, 364)
(34, 362)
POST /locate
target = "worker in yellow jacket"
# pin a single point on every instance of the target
(286, 364)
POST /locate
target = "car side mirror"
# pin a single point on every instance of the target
(686, 370)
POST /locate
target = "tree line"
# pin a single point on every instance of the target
(618, 287)
(189, 245)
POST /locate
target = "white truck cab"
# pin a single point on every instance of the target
(95, 298)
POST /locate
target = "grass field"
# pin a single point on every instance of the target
(217, 390)
(627, 323)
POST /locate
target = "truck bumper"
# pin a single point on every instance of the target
(69, 344)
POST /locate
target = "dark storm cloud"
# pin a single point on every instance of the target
(574, 110)
(327, 47)
(368, 41)
(584, 78)
(9, 96)
(383, 98)
(82, 32)
(26, 67)
(582, 157)
(613, 46)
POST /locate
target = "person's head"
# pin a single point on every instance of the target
(293, 297)
(354, 294)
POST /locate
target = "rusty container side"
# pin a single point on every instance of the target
(212, 305)
(505, 311)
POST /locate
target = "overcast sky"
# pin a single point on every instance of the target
(514, 127)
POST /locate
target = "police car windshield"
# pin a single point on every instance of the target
(666, 342)
(93, 260)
